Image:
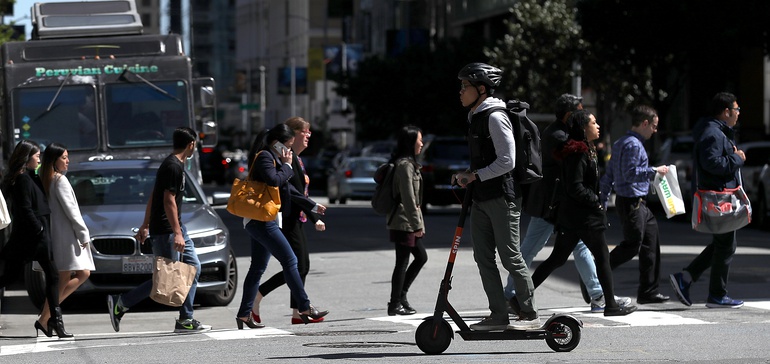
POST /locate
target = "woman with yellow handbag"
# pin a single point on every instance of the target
(272, 166)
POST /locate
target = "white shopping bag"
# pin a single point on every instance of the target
(669, 192)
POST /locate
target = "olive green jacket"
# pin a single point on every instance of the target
(407, 186)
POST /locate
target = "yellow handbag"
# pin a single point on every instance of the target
(254, 200)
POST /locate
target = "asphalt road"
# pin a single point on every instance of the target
(351, 264)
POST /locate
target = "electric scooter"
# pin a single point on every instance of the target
(433, 336)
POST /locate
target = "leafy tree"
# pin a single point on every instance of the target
(418, 87)
(538, 52)
(653, 51)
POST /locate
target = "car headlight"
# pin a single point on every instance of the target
(209, 238)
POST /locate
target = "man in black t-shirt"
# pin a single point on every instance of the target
(163, 221)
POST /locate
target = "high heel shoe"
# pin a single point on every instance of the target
(39, 327)
(255, 317)
(315, 314)
(249, 321)
(56, 324)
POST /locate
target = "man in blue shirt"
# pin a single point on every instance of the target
(629, 174)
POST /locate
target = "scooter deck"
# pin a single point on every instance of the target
(533, 334)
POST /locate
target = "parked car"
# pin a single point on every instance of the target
(757, 154)
(677, 150)
(317, 168)
(113, 195)
(353, 179)
(442, 157)
(383, 148)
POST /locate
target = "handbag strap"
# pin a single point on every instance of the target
(251, 166)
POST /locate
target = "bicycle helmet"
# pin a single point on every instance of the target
(481, 73)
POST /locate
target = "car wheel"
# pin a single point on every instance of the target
(225, 296)
(343, 200)
(35, 284)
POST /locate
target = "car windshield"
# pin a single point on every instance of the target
(364, 167)
(139, 114)
(45, 116)
(118, 186)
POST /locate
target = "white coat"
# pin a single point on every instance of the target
(68, 229)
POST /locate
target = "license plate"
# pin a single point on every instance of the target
(141, 264)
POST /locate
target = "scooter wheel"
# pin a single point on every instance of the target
(563, 334)
(433, 337)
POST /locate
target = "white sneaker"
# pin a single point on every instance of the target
(597, 305)
(525, 324)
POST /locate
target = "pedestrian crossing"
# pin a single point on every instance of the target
(668, 314)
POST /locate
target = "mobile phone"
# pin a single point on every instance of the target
(279, 147)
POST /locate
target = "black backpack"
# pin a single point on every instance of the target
(383, 201)
(529, 160)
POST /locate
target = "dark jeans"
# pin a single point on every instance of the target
(562, 248)
(267, 240)
(298, 242)
(718, 255)
(640, 237)
(402, 276)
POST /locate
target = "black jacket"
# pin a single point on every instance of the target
(717, 164)
(298, 203)
(30, 215)
(579, 206)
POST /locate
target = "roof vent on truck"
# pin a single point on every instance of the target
(85, 19)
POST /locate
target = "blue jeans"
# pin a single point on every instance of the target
(267, 239)
(538, 232)
(163, 245)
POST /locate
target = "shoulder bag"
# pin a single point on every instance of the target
(719, 212)
(254, 200)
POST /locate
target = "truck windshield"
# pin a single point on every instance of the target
(138, 114)
(71, 119)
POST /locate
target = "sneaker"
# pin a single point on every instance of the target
(190, 325)
(681, 288)
(116, 311)
(597, 305)
(490, 324)
(525, 324)
(724, 302)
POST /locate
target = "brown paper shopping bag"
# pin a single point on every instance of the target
(171, 281)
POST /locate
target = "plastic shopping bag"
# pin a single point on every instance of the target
(669, 192)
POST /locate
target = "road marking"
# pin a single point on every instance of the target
(638, 318)
(231, 334)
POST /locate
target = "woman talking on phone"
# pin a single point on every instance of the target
(271, 164)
